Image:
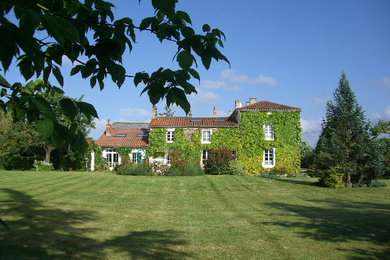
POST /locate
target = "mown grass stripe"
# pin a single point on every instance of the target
(106, 216)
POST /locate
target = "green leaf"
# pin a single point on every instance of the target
(8, 47)
(58, 75)
(185, 60)
(206, 28)
(45, 127)
(146, 23)
(177, 96)
(194, 74)
(4, 82)
(46, 73)
(184, 16)
(69, 108)
(92, 81)
(187, 32)
(206, 60)
(41, 104)
(87, 109)
(26, 67)
(76, 70)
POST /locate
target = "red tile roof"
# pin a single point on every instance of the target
(133, 138)
(192, 122)
(268, 106)
(88, 139)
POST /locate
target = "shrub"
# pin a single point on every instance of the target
(218, 161)
(177, 161)
(333, 178)
(377, 184)
(18, 162)
(43, 166)
(235, 168)
(134, 169)
(192, 170)
(279, 171)
(268, 176)
(188, 170)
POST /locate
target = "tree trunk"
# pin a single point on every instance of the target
(48, 150)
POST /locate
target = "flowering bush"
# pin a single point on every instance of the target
(218, 161)
(177, 161)
(43, 166)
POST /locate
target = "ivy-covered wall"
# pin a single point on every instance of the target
(248, 140)
(287, 137)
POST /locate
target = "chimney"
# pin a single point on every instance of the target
(247, 103)
(190, 114)
(108, 128)
(238, 104)
(214, 112)
(252, 101)
(154, 111)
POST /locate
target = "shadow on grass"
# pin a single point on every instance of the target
(42, 232)
(341, 221)
(149, 244)
(297, 181)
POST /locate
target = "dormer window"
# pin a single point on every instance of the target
(206, 136)
(170, 135)
(269, 132)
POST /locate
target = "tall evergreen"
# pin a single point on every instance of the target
(345, 145)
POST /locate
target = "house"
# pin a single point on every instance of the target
(262, 135)
(122, 138)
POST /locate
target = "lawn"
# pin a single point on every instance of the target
(105, 216)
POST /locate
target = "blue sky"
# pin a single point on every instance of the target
(288, 52)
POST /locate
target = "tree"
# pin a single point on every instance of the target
(168, 112)
(306, 154)
(21, 139)
(20, 145)
(345, 147)
(380, 130)
(48, 30)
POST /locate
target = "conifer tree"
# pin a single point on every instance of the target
(345, 146)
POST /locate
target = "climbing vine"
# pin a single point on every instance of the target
(92, 146)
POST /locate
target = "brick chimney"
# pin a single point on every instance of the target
(238, 104)
(108, 128)
(252, 101)
(154, 111)
(214, 112)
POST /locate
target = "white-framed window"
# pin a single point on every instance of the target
(269, 132)
(170, 135)
(168, 158)
(234, 154)
(134, 157)
(112, 157)
(205, 156)
(269, 158)
(206, 136)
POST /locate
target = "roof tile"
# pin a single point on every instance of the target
(192, 122)
(133, 138)
(268, 106)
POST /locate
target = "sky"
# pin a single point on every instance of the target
(287, 52)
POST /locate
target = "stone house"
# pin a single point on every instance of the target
(261, 135)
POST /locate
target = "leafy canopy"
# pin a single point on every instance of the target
(49, 30)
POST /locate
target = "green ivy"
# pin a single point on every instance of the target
(248, 140)
(92, 146)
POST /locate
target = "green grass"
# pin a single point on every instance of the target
(105, 216)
